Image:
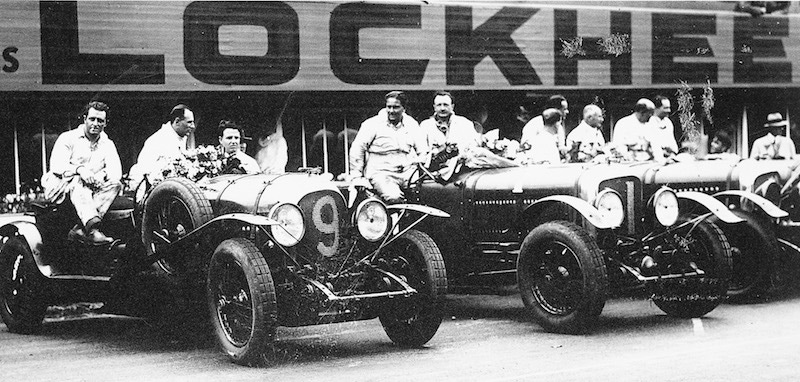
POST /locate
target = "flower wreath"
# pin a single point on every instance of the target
(195, 164)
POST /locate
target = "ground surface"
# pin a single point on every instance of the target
(486, 338)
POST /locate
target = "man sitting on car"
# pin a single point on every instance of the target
(85, 166)
(386, 148)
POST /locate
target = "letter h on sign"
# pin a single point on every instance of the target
(566, 29)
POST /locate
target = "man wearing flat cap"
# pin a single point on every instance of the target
(774, 145)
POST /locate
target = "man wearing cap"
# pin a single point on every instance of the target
(773, 145)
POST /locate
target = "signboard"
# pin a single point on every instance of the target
(263, 46)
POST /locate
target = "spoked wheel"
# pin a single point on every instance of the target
(412, 321)
(174, 208)
(23, 302)
(562, 277)
(755, 250)
(241, 300)
(704, 248)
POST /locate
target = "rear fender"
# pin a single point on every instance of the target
(32, 237)
(763, 203)
(713, 205)
(588, 211)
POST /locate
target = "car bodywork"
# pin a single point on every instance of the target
(496, 213)
(260, 250)
(750, 189)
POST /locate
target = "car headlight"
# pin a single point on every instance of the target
(665, 203)
(290, 229)
(609, 203)
(372, 220)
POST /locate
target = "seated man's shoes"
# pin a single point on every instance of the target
(76, 234)
(94, 236)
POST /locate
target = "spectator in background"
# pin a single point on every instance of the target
(272, 153)
(559, 103)
(774, 145)
(720, 143)
(586, 140)
(544, 140)
(663, 129)
(758, 8)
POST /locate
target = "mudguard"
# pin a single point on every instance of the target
(770, 208)
(33, 237)
(419, 208)
(588, 211)
(239, 217)
(712, 204)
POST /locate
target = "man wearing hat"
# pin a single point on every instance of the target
(773, 145)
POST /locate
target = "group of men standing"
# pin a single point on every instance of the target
(85, 165)
(388, 144)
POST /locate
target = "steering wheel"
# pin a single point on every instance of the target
(421, 173)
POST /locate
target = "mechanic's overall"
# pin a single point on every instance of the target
(386, 148)
(85, 165)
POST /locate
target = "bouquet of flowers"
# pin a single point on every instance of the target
(506, 148)
(196, 164)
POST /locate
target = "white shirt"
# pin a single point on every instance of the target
(159, 149)
(544, 147)
(535, 125)
(637, 137)
(460, 131)
(664, 133)
(590, 139)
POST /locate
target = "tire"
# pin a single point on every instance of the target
(413, 321)
(562, 277)
(174, 208)
(754, 250)
(695, 297)
(241, 301)
(23, 296)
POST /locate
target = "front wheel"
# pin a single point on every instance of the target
(241, 300)
(704, 248)
(412, 321)
(754, 249)
(562, 277)
(23, 302)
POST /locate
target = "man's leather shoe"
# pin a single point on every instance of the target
(76, 234)
(98, 238)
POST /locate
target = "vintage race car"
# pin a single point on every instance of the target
(751, 190)
(258, 250)
(575, 233)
